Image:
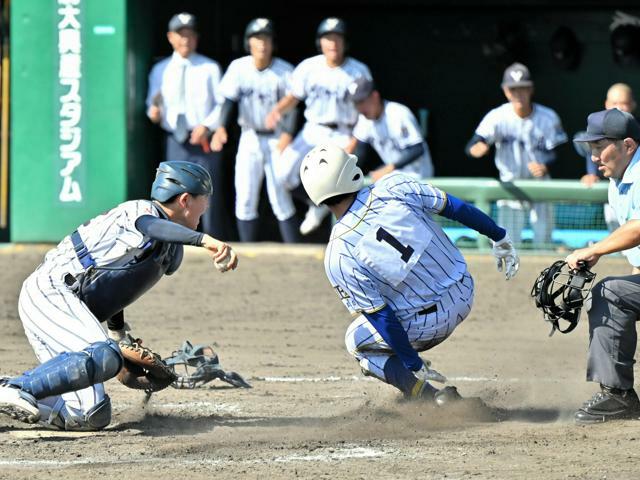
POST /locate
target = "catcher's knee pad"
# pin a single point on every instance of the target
(65, 418)
(106, 360)
(71, 371)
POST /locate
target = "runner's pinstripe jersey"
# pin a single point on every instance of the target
(387, 250)
(112, 239)
(324, 89)
(256, 91)
(519, 140)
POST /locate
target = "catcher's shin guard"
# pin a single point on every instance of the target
(54, 413)
(71, 371)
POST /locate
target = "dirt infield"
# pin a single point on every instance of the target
(311, 414)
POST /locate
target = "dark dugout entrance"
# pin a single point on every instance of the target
(445, 58)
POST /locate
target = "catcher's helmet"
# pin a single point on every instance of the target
(258, 26)
(330, 25)
(175, 177)
(328, 171)
(560, 293)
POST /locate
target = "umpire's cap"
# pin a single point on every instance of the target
(183, 20)
(174, 178)
(258, 26)
(613, 123)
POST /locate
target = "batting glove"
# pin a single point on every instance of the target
(426, 374)
(506, 257)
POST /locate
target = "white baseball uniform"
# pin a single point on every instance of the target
(387, 250)
(55, 320)
(330, 115)
(187, 86)
(518, 142)
(257, 92)
(391, 133)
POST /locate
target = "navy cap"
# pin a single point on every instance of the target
(516, 75)
(360, 89)
(182, 20)
(613, 123)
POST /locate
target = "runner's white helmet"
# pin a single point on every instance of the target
(327, 171)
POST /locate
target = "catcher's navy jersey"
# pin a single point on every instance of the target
(387, 250)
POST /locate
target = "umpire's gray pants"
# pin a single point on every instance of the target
(614, 308)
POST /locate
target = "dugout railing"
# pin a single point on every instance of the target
(578, 214)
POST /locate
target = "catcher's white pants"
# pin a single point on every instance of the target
(287, 168)
(56, 321)
(424, 331)
(255, 160)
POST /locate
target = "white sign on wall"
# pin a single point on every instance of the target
(70, 112)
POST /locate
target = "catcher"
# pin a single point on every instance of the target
(91, 277)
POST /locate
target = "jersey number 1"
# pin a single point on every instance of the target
(405, 252)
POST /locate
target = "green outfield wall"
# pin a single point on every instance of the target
(68, 120)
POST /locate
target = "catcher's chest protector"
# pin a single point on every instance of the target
(107, 291)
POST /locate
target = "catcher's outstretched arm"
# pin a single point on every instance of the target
(167, 231)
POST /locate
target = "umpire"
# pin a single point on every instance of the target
(613, 137)
(184, 99)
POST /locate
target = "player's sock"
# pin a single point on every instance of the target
(248, 230)
(289, 230)
(404, 380)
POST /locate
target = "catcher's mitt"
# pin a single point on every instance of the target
(560, 293)
(143, 368)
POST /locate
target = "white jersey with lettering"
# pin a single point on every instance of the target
(330, 115)
(257, 92)
(324, 89)
(387, 250)
(55, 320)
(395, 130)
(519, 140)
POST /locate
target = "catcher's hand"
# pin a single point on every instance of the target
(506, 257)
(143, 369)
